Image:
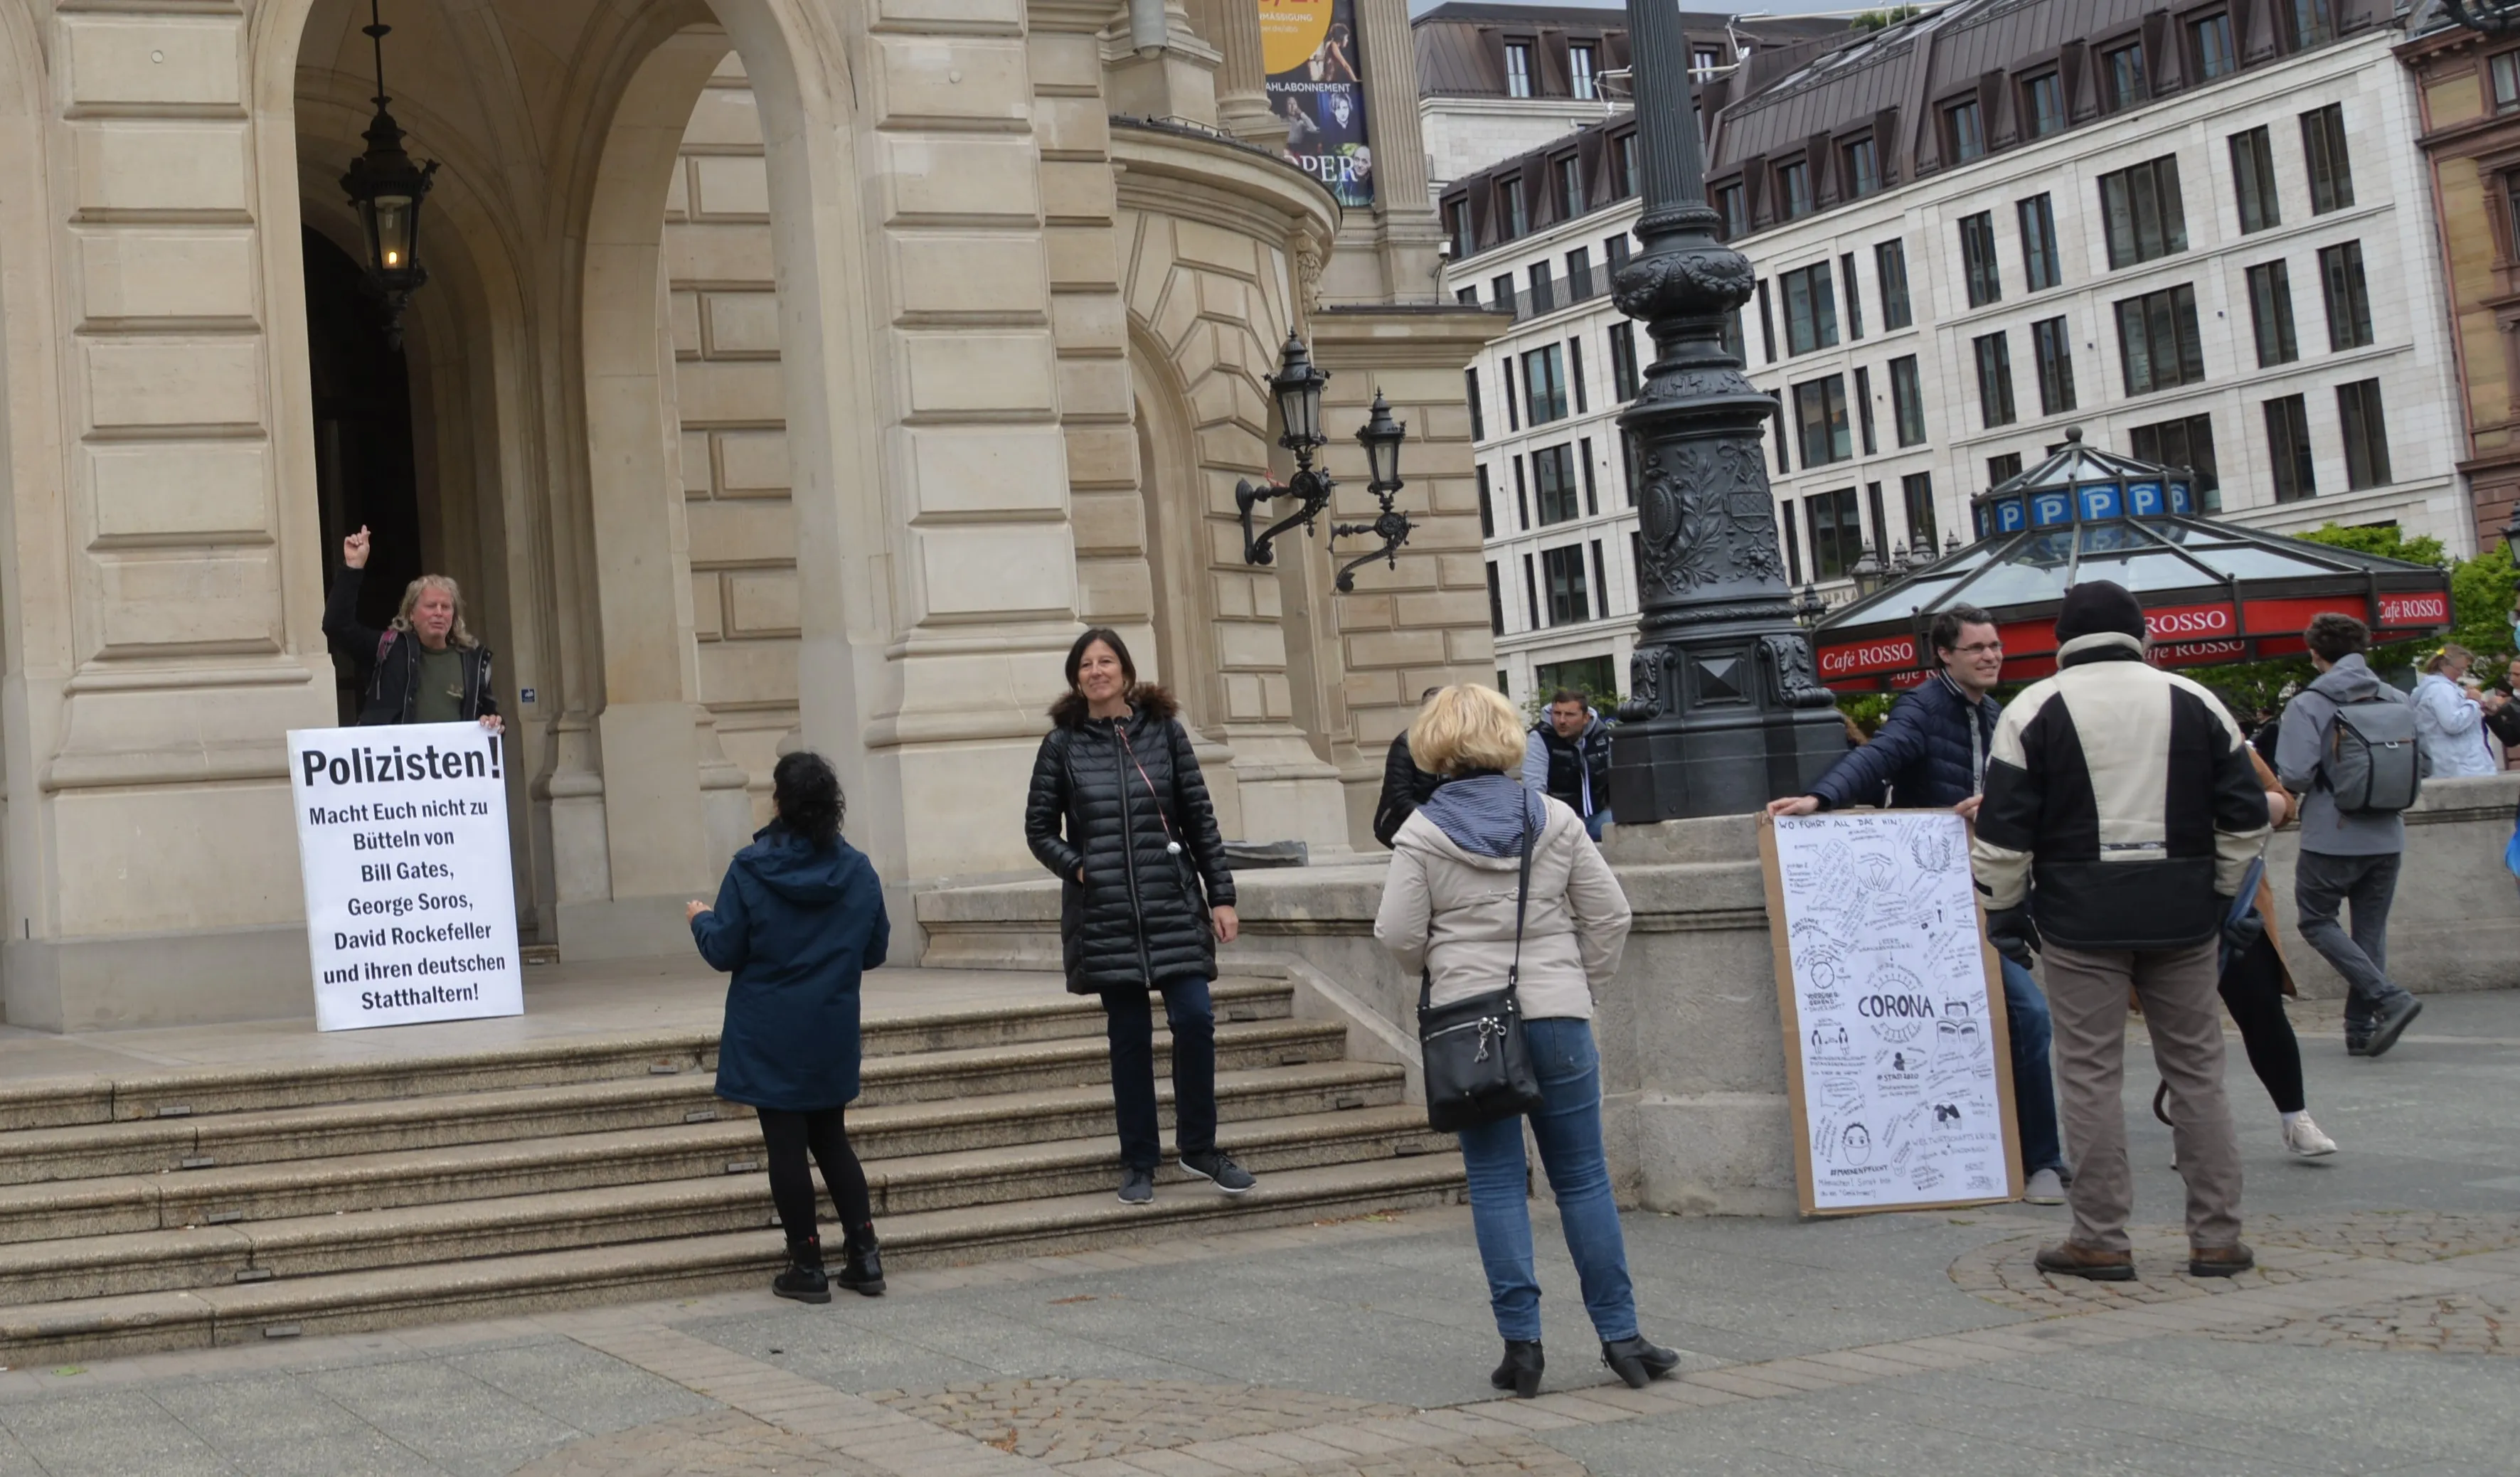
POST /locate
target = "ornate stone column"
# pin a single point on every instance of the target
(1232, 28)
(1726, 711)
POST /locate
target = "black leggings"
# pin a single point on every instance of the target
(787, 1137)
(2253, 990)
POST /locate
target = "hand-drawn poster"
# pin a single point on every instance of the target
(1309, 48)
(1895, 1054)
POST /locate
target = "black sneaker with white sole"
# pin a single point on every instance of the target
(2394, 1018)
(1214, 1166)
(1136, 1185)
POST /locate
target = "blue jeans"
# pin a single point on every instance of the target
(1568, 1126)
(1594, 822)
(1129, 1021)
(2034, 1081)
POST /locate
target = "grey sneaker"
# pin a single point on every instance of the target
(1231, 1178)
(1136, 1185)
(2046, 1188)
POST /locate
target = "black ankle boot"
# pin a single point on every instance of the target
(1639, 1361)
(804, 1280)
(861, 1266)
(1521, 1372)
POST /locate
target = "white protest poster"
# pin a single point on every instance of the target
(1897, 1058)
(402, 834)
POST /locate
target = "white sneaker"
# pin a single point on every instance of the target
(2303, 1137)
(2047, 1188)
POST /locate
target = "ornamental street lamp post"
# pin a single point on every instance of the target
(1726, 710)
(387, 189)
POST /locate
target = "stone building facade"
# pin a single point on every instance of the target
(791, 372)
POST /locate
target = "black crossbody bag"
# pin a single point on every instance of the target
(1478, 1066)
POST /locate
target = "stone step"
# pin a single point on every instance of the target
(197, 1256)
(194, 1093)
(373, 1181)
(277, 1135)
(254, 1313)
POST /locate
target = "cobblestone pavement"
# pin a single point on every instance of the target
(2373, 1339)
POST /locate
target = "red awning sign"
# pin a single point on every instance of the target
(2425, 610)
(2188, 623)
(1867, 658)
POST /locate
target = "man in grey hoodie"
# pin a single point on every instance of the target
(2347, 857)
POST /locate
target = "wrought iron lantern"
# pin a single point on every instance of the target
(387, 189)
(1297, 389)
(1380, 437)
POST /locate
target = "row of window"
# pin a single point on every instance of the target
(1582, 71)
(1547, 291)
(1538, 381)
(1557, 487)
(1811, 302)
(1831, 525)
(1558, 575)
(1512, 215)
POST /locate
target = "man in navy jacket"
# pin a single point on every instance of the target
(1931, 754)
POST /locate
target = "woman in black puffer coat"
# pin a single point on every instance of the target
(1119, 814)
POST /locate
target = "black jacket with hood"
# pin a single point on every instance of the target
(1405, 787)
(390, 691)
(1108, 798)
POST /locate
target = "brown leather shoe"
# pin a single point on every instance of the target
(2074, 1260)
(2221, 1261)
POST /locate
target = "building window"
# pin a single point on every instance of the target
(1543, 291)
(1521, 498)
(1811, 309)
(1916, 491)
(2140, 208)
(1727, 205)
(1854, 297)
(2366, 434)
(1478, 417)
(1517, 68)
(1863, 171)
(1530, 594)
(2253, 178)
(2004, 469)
(2288, 449)
(2051, 345)
(1579, 275)
(1570, 188)
(1543, 385)
(2210, 41)
(1510, 211)
(1457, 225)
(1793, 190)
(2122, 77)
(1890, 267)
(1793, 540)
(1467, 297)
(2271, 309)
(2184, 442)
(2314, 23)
(1579, 73)
(1731, 339)
(1495, 605)
(1863, 411)
(1568, 598)
(1614, 255)
(1907, 401)
(1963, 132)
(1995, 379)
(1575, 371)
(1501, 293)
(1777, 415)
(2322, 144)
(1767, 328)
(1977, 259)
(1623, 358)
(2157, 342)
(1601, 589)
(2043, 106)
(1592, 492)
(2505, 72)
(1623, 179)
(2349, 304)
(2039, 256)
(1704, 63)
(1836, 532)
(1552, 477)
(1487, 508)
(1628, 469)
(1820, 415)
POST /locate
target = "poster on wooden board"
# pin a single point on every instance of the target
(1897, 1058)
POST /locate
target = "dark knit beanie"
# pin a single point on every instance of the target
(2095, 606)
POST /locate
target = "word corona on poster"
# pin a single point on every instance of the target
(1897, 1058)
(402, 836)
(1307, 49)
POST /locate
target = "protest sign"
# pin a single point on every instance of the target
(402, 836)
(1896, 1058)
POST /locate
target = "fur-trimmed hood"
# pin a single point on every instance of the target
(1149, 703)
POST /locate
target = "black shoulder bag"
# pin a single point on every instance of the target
(1478, 1067)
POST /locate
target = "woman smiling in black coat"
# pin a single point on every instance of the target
(1120, 814)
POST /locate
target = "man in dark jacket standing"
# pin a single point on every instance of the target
(1569, 759)
(1931, 754)
(1404, 786)
(427, 668)
(2126, 791)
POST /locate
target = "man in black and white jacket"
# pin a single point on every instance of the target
(2127, 793)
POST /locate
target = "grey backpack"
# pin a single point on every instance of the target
(2373, 764)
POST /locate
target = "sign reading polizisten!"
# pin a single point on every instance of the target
(402, 834)
(1309, 48)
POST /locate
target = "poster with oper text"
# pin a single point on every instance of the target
(1896, 1058)
(411, 909)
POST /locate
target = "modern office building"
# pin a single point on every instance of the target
(2206, 243)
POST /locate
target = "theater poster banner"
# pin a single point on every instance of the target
(1309, 47)
(411, 909)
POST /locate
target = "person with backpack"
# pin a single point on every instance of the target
(2349, 748)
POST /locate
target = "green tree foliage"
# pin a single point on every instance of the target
(1882, 19)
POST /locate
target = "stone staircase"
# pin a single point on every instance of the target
(212, 1207)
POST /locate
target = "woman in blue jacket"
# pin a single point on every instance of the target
(798, 919)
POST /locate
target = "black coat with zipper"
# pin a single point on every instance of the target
(1108, 796)
(390, 690)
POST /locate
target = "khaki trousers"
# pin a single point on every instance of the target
(2086, 999)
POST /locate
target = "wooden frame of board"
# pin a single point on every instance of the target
(1789, 1014)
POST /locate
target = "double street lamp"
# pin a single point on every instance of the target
(1297, 389)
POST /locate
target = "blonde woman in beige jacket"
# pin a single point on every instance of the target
(1447, 908)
